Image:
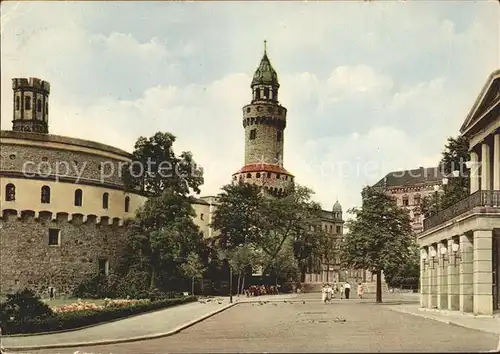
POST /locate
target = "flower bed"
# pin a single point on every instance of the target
(83, 314)
(108, 303)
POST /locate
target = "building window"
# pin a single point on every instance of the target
(257, 93)
(10, 192)
(269, 175)
(27, 103)
(105, 201)
(279, 135)
(258, 175)
(127, 204)
(405, 201)
(253, 134)
(103, 267)
(266, 92)
(39, 105)
(45, 197)
(249, 175)
(201, 216)
(416, 200)
(339, 229)
(18, 103)
(54, 237)
(78, 197)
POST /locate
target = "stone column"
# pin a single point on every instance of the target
(496, 162)
(474, 172)
(485, 167)
(453, 280)
(482, 278)
(442, 276)
(466, 274)
(433, 276)
(424, 290)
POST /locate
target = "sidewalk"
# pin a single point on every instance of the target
(156, 324)
(489, 324)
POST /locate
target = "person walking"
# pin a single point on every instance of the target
(347, 290)
(341, 291)
(360, 290)
(329, 292)
(323, 294)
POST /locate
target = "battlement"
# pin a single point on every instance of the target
(12, 215)
(31, 83)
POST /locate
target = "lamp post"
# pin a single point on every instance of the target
(455, 247)
(442, 250)
(433, 257)
(436, 197)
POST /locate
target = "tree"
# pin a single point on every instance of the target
(379, 238)
(162, 232)
(241, 259)
(155, 167)
(193, 268)
(454, 159)
(238, 214)
(407, 274)
(283, 265)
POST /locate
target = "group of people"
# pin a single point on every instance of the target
(330, 291)
(256, 290)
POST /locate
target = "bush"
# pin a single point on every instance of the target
(94, 287)
(76, 319)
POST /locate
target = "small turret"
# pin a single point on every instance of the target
(265, 83)
(31, 105)
(337, 210)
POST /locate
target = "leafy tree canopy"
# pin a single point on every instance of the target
(155, 167)
(380, 237)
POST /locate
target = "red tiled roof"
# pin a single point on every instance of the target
(263, 167)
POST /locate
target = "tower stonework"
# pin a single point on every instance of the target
(264, 121)
(31, 105)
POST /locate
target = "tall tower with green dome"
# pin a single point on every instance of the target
(264, 121)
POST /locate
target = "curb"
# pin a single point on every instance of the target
(452, 323)
(124, 340)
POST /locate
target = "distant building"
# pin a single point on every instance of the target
(410, 187)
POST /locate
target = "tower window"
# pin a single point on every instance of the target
(78, 197)
(39, 105)
(269, 175)
(105, 201)
(201, 216)
(253, 134)
(258, 174)
(10, 192)
(257, 93)
(45, 197)
(103, 267)
(46, 108)
(27, 103)
(248, 109)
(127, 204)
(18, 103)
(249, 175)
(54, 237)
(279, 135)
(266, 92)
(338, 229)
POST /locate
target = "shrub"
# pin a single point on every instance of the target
(76, 319)
(22, 307)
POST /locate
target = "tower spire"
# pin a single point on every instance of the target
(265, 47)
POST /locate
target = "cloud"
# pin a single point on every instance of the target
(369, 87)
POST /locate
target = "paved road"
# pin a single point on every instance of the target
(309, 326)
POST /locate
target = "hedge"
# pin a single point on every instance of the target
(77, 319)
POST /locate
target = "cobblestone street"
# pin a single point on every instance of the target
(310, 326)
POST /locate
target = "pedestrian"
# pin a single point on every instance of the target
(347, 290)
(323, 294)
(341, 291)
(360, 290)
(329, 291)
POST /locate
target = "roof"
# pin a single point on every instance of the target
(265, 73)
(337, 206)
(488, 98)
(411, 177)
(263, 167)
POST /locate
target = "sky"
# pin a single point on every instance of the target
(370, 86)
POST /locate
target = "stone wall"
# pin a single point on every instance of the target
(31, 160)
(27, 259)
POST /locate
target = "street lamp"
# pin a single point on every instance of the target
(436, 191)
(455, 247)
(442, 250)
(433, 257)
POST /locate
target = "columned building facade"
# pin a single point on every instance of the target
(460, 246)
